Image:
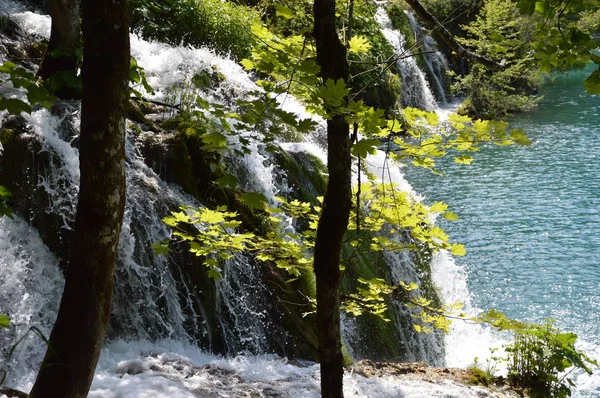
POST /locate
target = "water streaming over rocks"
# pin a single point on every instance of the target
(437, 65)
(167, 316)
(416, 91)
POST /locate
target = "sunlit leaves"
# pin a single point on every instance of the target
(4, 321)
(365, 147)
(333, 93)
(359, 45)
(283, 11)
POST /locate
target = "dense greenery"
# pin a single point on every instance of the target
(501, 34)
(217, 24)
(280, 51)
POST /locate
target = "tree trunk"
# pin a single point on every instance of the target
(61, 54)
(331, 56)
(435, 26)
(78, 334)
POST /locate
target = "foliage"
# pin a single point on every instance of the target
(453, 13)
(213, 23)
(539, 357)
(26, 90)
(562, 41)
(501, 34)
(384, 214)
(372, 68)
(4, 322)
(4, 197)
(484, 373)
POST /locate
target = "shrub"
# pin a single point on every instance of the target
(501, 34)
(223, 26)
(539, 357)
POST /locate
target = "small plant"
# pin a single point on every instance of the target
(487, 372)
(541, 358)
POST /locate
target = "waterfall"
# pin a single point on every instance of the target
(31, 284)
(161, 304)
(437, 65)
(416, 92)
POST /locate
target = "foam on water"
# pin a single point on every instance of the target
(415, 88)
(31, 284)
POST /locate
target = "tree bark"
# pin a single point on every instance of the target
(61, 54)
(331, 56)
(435, 26)
(78, 334)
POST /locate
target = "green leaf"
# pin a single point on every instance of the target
(463, 159)
(161, 248)
(365, 146)
(520, 137)
(359, 45)
(214, 140)
(7, 67)
(592, 83)
(211, 216)
(227, 181)
(4, 321)
(333, 92)
(14, 106)
(254, 200)
(526, 7)
(247, 64)
(306, 125)
(4, 193)
(458, 250)
(450, 216)
(283, 11)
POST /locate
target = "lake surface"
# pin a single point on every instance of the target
(530, 217)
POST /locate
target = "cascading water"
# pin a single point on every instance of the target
(157, 309)
(437, 64)
(416, 92)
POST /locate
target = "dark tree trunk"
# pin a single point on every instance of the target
(435, 26)
(78, 335)
(61, 54)
(331, 56)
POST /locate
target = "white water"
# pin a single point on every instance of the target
(435, 60)
(30, 282)
(415, 87)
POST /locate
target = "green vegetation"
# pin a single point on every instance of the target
(541, 358)
(501, 34)
(217, 24)
(383, 218)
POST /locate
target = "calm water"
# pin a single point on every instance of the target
(530, 216)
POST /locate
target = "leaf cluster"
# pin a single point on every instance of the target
(4, 197)
(541, 356)
(502, 34)
(26, 90)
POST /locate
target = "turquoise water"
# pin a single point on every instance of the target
(530, 216)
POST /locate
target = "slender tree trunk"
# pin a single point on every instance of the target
(77, 337)
(331, 56)
(61, 54)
